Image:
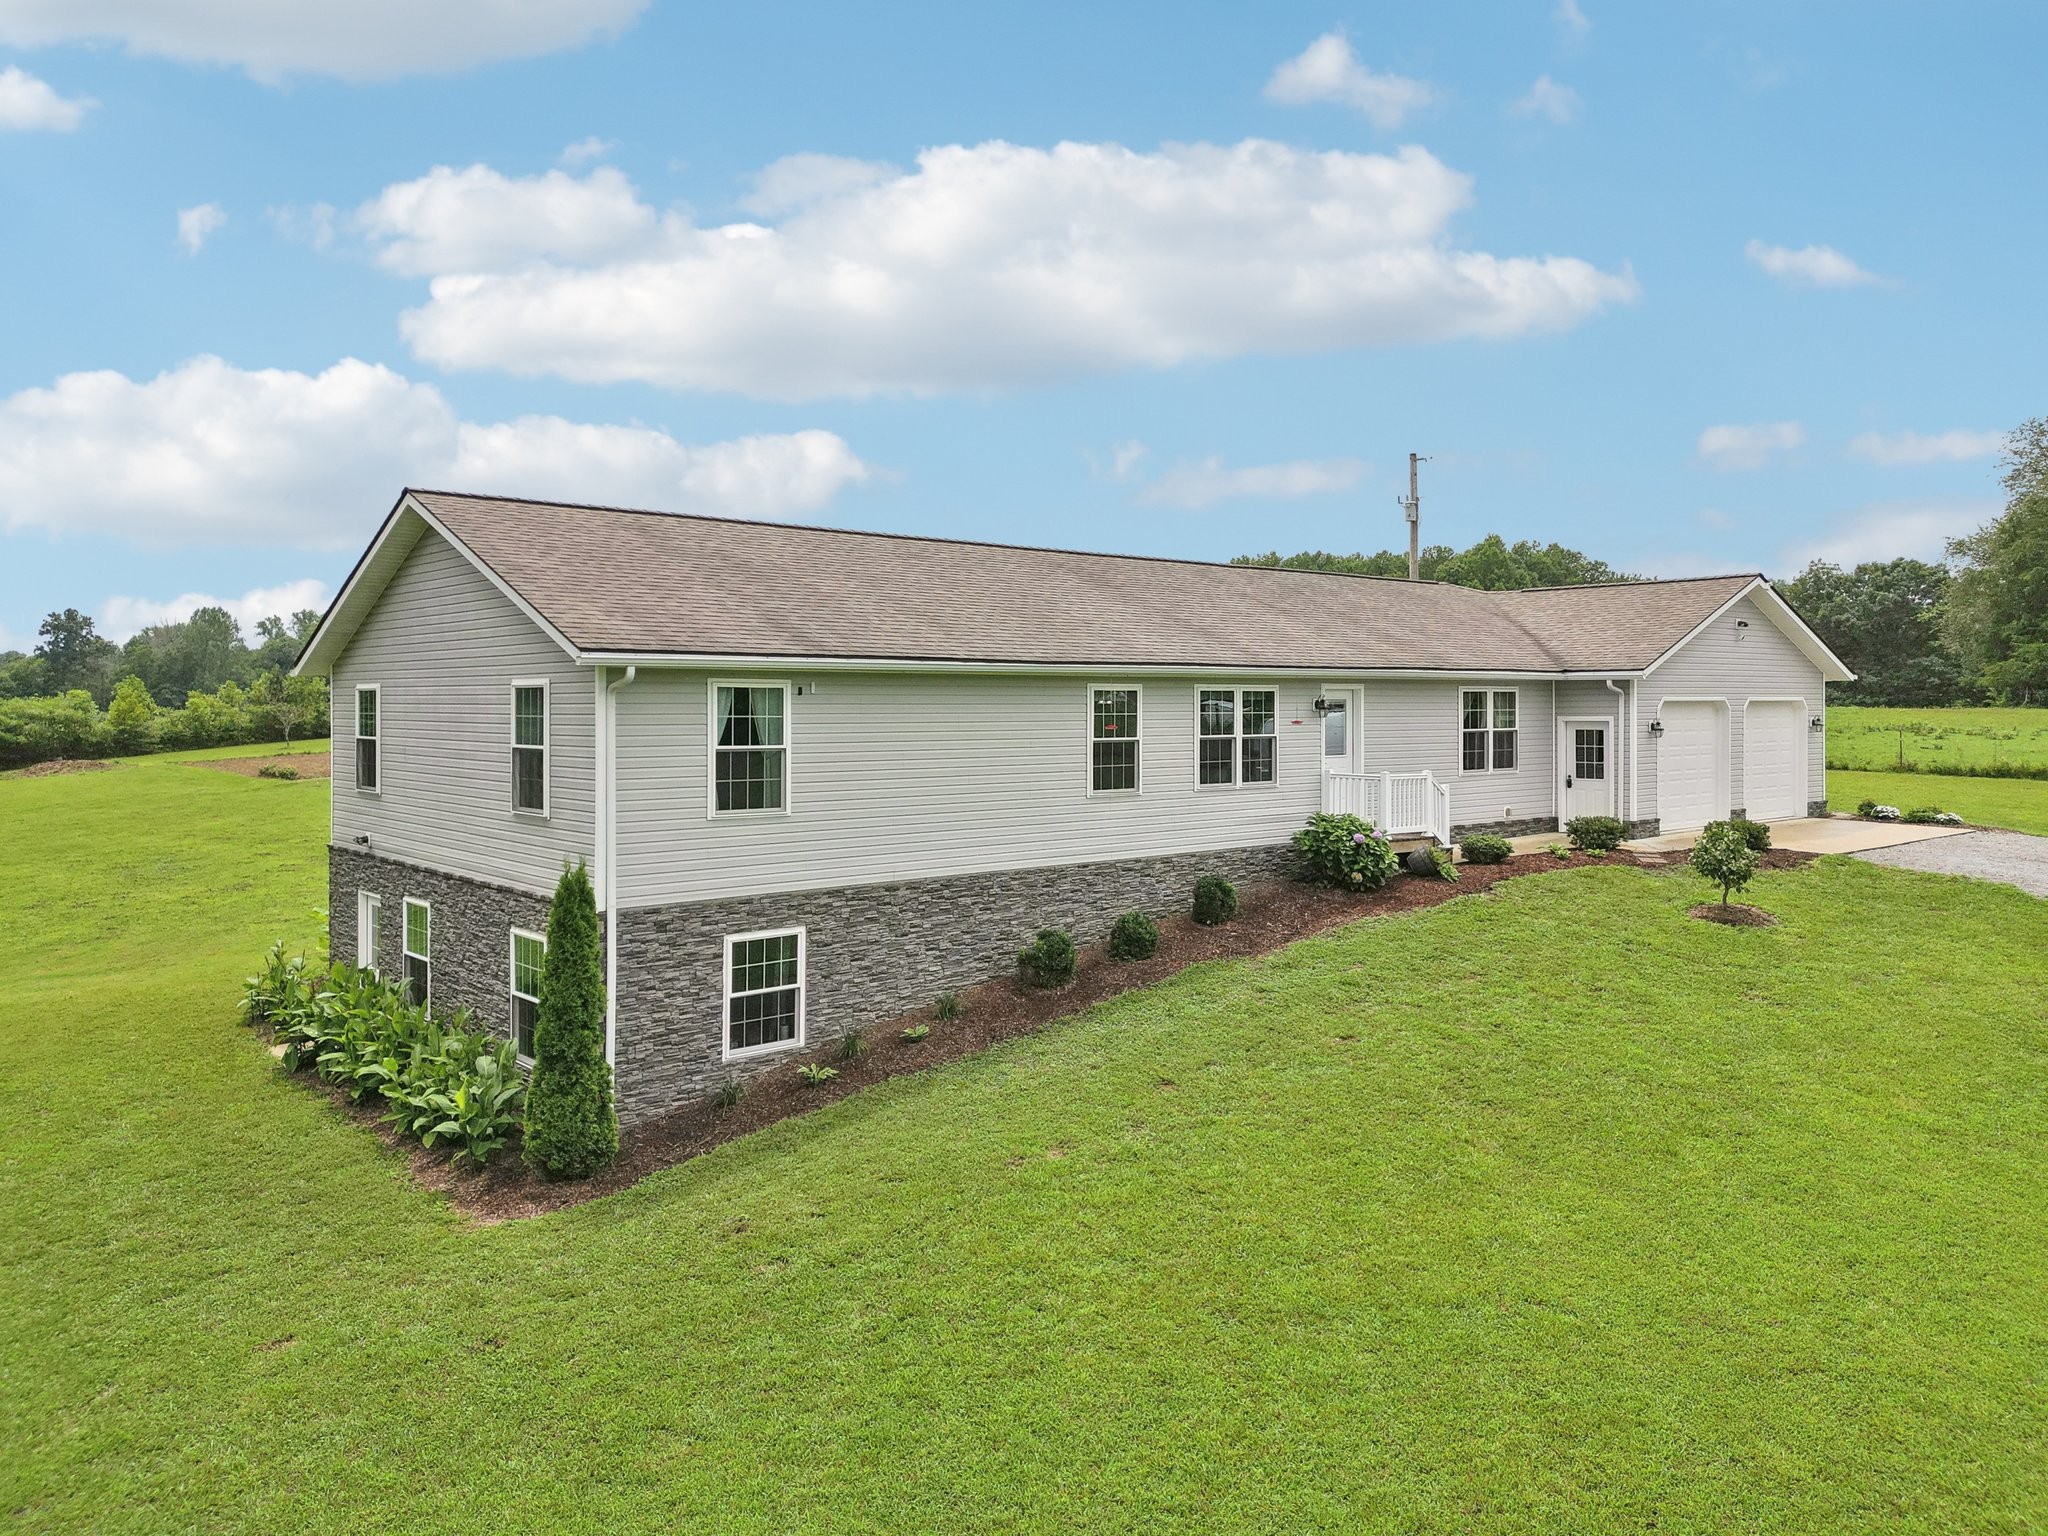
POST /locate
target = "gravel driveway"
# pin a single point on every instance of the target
(2014, 858)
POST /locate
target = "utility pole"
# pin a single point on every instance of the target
(1413, 507)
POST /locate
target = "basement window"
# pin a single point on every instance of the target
(529, 954)
(764, 991)
(417, 945)
(369, 929)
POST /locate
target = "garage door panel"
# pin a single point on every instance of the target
(1690, 758)
(1774, 760)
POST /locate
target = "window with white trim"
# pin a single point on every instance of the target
(416, 944)
(1488, 730)
(369, 929)
(1114, 741)
(764, 991)
(1234, 736)
(530, 748)
(529, 954)
(749, 747)
(366, 737)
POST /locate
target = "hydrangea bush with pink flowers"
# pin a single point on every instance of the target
(1345, 851)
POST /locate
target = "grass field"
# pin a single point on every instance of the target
(2021, 804)
(2004, 742)
(1546, 1211)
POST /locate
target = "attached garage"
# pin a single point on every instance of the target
(1774, 759)
(1692, 764)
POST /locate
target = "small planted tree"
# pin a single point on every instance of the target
(1723, 855)
(572, 1129)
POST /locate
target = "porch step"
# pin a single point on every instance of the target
(1407, 845)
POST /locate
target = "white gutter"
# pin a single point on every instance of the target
(699, 660)
(608, 848)
(1635, 742)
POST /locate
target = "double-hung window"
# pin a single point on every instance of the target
(366, 737)
(1113, 745)
(530, 748)
(1234, 736)
(764, 991)
(1488, 724)
(369, 929)
(749, 747)
(418, 948)
(529, 953)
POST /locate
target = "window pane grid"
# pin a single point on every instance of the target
(418, 928)
(529, 778)
(529, 717)
(1589, 749)
(1113, 756)
(764, 987)
(750, 758)
(366, 713)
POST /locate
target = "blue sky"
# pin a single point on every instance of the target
(1691, 288)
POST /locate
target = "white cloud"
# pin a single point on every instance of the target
(1571, 21)
(1714, 517)
(585, 150)
(311, 224)
(1206, 482)
(361, 40)
(798, 181)
(1957, 446)
(29, 105)
(196, 224)
(1546, 98)
(1125, 457)
(1892, 530)
(1749, 446)
(1327, 70)
(1811, 266)
(210, 453)
(120, 617)
(983, 268)
(478, 220)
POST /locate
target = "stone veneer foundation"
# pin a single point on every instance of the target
(871, 951)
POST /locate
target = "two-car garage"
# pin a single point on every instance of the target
(1774, 759)
(1694, 781)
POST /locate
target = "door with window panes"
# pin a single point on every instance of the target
(1586, 783)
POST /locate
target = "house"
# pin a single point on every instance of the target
(821, 776)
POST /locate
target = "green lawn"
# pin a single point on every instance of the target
(1545, 1211)
(1954, 741)
(2021, 804)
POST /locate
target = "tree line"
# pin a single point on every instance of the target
(198, 683)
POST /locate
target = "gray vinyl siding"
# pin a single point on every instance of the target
(444, 645)
(1596, 701)
(1412, 724)
(1727, 662)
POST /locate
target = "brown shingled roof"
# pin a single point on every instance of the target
(617, 582)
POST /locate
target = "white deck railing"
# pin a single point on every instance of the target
(1398, 804)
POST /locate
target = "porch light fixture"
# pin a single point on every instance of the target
(1656, 727)
(1814, 723)
(1321, 706)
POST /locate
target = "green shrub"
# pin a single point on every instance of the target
(1723, 856)
(1215, 901)
(1559, 851)
(948, 1007)
(852, 1045)
(915, 1032)
(277, 771)
(1344, 851)
(1486, 848)
(1754, 833)
(1865, 807)
(1446, 867)
(1923, 815)
(1134, 937)
(1049, 960)
(1596, 834)
(730, 1092)
(572, 1129)
(814, 1073)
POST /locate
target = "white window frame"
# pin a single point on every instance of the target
(726, 993)
(1237, 738)
(376, 692)
(1137, 690)
(405, 950)
(711, 748)
(1492, 730)
(545, 748)
(370, 927)
(513, 995)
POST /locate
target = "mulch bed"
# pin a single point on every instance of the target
(311, 765)
(1734, 915)
(1273, 915)
(58, 765)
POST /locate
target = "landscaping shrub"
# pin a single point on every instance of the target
(1342, 850)
(1446, 867)
(912, 1033)
(1866, 807)
(1754, 833)
(948, 1007)
(1559, 851)
(1596, 834)
(1215, 901)
(277, 771)
(813, 1073)
(1724, 856)
(1486, 848)
(572, 1129)
(1923, 815)
(730, 1092)
(852, 1045)
(1884, 813)
(1049, 960)
(1135, 937)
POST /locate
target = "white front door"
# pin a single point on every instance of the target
(1586, 775)
(1340, 730)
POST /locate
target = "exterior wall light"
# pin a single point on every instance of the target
(1656, 727)
(1321, 706)
(1815, 723)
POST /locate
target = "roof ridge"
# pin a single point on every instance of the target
(1640, 581)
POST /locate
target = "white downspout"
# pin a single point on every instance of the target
(608, 833)
(1635, 732)
(1624, 703)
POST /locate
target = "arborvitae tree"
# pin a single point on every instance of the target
(571, 1128)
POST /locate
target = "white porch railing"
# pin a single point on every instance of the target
(1398, 804)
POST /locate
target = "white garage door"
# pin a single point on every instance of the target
(1689, 776)
(1774, 761)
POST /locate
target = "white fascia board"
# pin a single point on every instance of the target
(698, 661)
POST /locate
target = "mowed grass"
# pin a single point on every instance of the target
(1954, 741)
(1551, 1210)
(2020, 804)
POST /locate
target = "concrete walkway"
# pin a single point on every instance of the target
(2013, 858)
(1820, 834)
